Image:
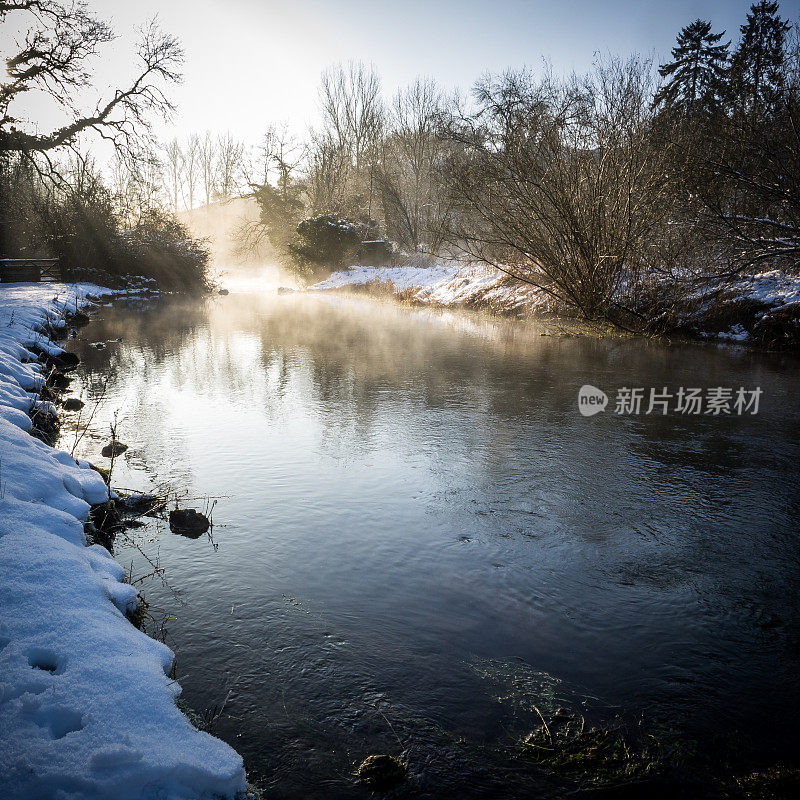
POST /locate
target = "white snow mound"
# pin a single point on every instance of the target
(87, 709)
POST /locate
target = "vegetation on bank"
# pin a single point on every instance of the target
(53, 199)
(77, 220)
(623, 195)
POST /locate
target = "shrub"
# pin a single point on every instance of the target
(161, 248)
(325, 241)
(76, 221)
(329, 242)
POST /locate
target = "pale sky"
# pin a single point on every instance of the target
(253, 62)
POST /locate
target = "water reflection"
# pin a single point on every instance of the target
(408, 496)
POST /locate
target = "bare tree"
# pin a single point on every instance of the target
(60, 42)
(280, 155)
(273, 181)
(562, 184)
(136, 185)
(347, 148)
(207, 155)
(173, 164)
(230, 153)
(191, 166)
(407, 172)
(54, 58)
(121, 186)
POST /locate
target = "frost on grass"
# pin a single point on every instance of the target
(87, 709)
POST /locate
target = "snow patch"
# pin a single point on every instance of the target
(87, 709)
(447, 284)
(452, 284)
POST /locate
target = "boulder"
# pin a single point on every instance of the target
(188, 522)
(58, 380)
(73, 404)
(62, 361)
(114, 448)
(381, 771)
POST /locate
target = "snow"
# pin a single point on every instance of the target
(773, 288)
(87, 709)
(406, 277)
(446, 284)
(451, 284)
(736, 334)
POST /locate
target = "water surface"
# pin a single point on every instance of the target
(418, 541)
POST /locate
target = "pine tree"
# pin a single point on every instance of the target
(698, 71)
(757, 66)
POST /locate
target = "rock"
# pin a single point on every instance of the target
(381, 771)
(79, 319)
(114, 448)
(73, 404)
(58, 380)
(65, 361)
(188, 522)
(62, 361)
(224, 291)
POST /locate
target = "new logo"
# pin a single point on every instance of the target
(591, 400)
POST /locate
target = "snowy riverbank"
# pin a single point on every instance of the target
(445, 284)
(763, 307)
(87, 709)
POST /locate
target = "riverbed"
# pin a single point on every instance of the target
(420, 547)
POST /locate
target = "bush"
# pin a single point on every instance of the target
(325, 241)
(161, 248)
(88, 239)
(328, 242)
(76, 222)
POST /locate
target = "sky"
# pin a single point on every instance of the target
(250, 63)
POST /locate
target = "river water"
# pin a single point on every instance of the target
(419, 544)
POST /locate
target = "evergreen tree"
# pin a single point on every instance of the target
(698, 72)
(757, 66)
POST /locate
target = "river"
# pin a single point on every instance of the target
(419, 544)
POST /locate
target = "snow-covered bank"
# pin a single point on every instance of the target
(87, 709)
(760, 307)
(446, 284)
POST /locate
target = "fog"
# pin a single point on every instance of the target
(237, 270)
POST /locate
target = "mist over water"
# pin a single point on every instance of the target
(235, 267)
(418, 538)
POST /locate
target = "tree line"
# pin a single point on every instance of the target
(625, 193)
